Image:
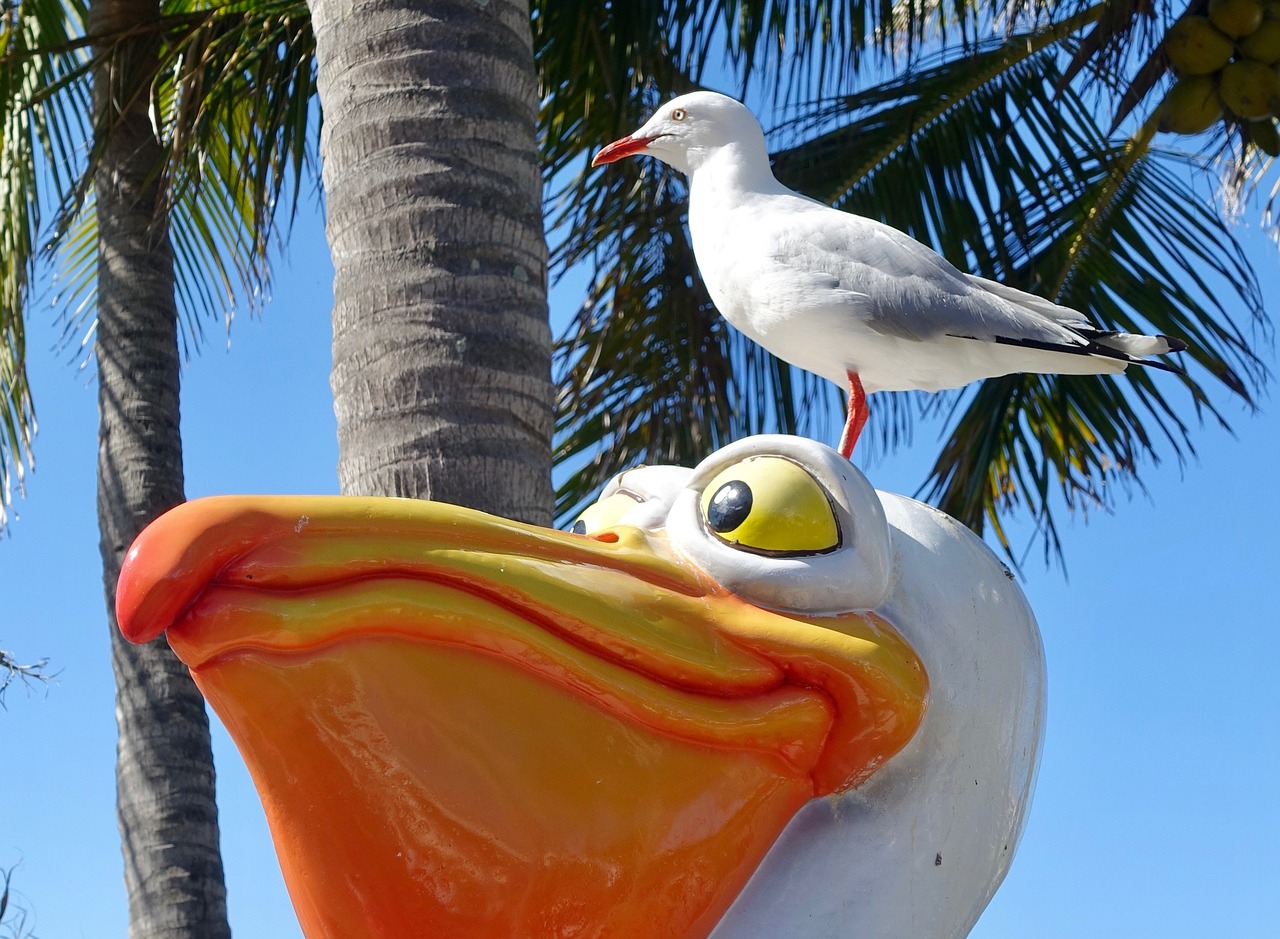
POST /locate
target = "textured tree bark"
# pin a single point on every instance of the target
(441, 347)
(164, 770)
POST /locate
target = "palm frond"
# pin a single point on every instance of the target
(232, 102)
(988, 154)
(41, 119)
(602, 68)
(1014, 180)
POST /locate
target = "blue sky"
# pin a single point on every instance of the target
(1155, 813)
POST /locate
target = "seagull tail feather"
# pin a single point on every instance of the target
(1137, 346)
(1126, 348)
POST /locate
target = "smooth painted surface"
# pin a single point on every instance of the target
(476, 727)
(918, 850)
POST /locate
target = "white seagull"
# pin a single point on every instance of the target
(847, 297)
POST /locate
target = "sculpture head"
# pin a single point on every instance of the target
(699, 708)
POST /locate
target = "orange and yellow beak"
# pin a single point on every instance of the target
(465, 726)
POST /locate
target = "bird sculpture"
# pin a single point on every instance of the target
(750, 699)
(846, 297)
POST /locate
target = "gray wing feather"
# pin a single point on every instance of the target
(899, 287)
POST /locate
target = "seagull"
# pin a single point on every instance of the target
(849, 298)
(748, 699)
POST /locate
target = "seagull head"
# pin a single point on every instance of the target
(688, 131)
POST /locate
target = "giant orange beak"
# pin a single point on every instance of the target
(464, 726)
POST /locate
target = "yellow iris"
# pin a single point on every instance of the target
(771, 505)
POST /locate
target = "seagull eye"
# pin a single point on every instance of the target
(679, 114)
(770, 505)
(603, 514)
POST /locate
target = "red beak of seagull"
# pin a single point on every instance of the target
(624, 147)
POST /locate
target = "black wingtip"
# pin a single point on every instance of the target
(1096, 349)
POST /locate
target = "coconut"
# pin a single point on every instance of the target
(1196, 47)
(1263, 44)
(1192, 105)
(1250, 89)
(1265, 137)
(1236, 18)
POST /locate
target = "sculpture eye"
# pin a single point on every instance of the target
(770, 505)
(679, 114)
(604, 514)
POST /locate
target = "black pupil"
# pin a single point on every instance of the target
(730, 506)
(579, 527)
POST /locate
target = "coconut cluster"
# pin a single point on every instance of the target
(1227, 65)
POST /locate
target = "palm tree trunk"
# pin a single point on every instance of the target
(165, 786)
(441, 347)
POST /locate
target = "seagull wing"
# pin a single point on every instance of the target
(893, 285)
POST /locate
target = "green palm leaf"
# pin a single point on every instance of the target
(986, 151)
(41, 122)
(230, 100)
(1014, 180)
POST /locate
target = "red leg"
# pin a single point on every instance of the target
(858, 414)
